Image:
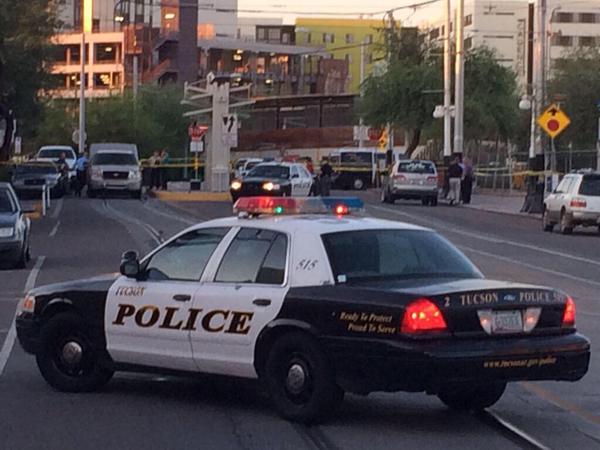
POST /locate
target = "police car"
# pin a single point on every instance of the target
(312, 304)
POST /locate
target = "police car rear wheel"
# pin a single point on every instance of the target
(299, 379)
(472, 398)
(67, 359)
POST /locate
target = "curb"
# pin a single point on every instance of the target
(195, 196)
(507, 213)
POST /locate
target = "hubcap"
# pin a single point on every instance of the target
(296, 379)
(72, 353)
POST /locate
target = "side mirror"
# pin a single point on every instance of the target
(130, 265)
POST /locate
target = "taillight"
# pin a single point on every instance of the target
(569, 313)
(422, 316)
(578, 203)
(432, 180)
(399, 178)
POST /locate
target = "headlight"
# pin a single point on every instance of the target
(28, 304)
(271, 186)
(97, 173)
(6, 232)
(236, 185)
(134, 174)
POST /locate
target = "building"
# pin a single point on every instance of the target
(218, 18)
(246, 26)
(342, 40)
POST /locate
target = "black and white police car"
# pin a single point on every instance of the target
(313, 305)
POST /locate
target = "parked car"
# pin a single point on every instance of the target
(114, 167)
(29, 179)
(52, 153)
(244, 165)
(411, 179)
(14, 229)
(575, 201)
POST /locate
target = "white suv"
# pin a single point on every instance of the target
(412, 179)
(576, 201)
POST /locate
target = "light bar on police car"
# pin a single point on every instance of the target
(304, 205)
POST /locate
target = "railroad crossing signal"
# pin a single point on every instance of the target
(553, 121)
(383, 140)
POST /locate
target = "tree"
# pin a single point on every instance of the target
(399, 95)
(576, 82)
(25, 49)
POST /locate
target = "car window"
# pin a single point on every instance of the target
(359, 158)
(116, 159)
(563, 186)
(294, 171)
(7, 204)
(186, 257)
(54, 153)
(270, 171)
(254, 256)
(590, 185)
(304, 173)
(375, 254)
(416, 167)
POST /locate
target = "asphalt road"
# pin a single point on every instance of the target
(85, 237)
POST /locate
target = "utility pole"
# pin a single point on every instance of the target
(598, 146)
(389, 158)
(459, 70)
(361, 124)
(447, 84)
(86, 26)
(136, 75)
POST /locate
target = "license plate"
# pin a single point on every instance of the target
(507, 322)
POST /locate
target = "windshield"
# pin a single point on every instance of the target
(6, 202)
(357, 158)
(383, 254)
(54, 153)
(114, 159)
(36, 169)
(417, 167)
(270, 172)
(590, 185)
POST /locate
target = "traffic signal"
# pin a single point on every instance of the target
(383, 140)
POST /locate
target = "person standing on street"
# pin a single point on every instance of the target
(467, 181)
(81, 166)
(163, 174)
(325, 180)
(154, 162)
(455, 174)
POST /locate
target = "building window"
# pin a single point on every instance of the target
(349, 38)
(435, 33)
(102, 80)
(260, 34)
(308, 38)
(328, 38)
(369, 38)
(105, 53)
(285, 38)
(73, 80)
(274, 34)
(562, 41)
(468, 43)
(564, 17)
(587, 41)
(469, 20)
(587, 18)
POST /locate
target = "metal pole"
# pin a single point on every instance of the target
(82, 78)
(447, 83)
(598, 148)
(44, 200)
(361, 124)
(459, 95)
(135, 75)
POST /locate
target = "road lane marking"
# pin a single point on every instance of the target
(530, 266)
(154, 234)
(54, 230)
(170, 216)
(9, 342)
(470, 234)
(494, 419)
(58, 209)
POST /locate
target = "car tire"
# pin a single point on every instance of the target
(300, 380)
(471, 398)
(433, 201)
(358, 184)
(91, 193)
(566, 227)
(546, 224)
(425, 201)
(67, 358)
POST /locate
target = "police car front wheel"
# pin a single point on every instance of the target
(67, 358)
(472, 398)
(300, 380)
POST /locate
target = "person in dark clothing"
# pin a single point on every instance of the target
(154, 163)
(466, 186)
(81, 167)
(325, 178)
(455, 173)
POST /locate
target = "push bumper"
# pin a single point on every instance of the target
(428, 366)
(28, 332)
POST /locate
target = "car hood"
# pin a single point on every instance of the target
(35, 176)
(99, 283)
(264, 180)
(8, 220)
(115, 168)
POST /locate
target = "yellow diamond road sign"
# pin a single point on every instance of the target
(553, 121)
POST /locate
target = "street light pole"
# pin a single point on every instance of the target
(459, 96)
(447, 84)
(361, 123)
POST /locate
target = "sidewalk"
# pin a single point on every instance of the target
(498, 203)
(178, 191)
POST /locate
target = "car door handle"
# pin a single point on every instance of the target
(182, 298)
(261, 302)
